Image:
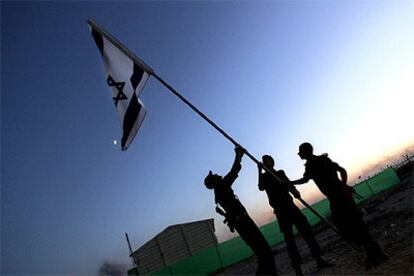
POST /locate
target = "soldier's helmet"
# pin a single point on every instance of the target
(211, 180)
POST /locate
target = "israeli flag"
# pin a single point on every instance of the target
(126, 75)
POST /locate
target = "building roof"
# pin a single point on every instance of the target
(210, 221)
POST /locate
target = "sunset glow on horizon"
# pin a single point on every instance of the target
(271, 74)
(385, 128)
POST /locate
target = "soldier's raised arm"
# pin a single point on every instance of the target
(235, 169)
(344, 174)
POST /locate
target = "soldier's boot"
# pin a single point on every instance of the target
(298, 270)
(321, 263)
(375, 255)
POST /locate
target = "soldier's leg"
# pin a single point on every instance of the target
(305, 229)
(348, 218)
(374, 253)
(252, 236)
(293, 253)
(350, 223)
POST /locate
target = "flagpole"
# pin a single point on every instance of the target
(149, 70)
(195, 109)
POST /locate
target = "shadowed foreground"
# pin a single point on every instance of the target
(389, 215)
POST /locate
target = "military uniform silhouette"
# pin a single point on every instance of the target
(288, 214)
(237, 216)
(345, 212)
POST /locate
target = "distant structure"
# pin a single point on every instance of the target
(174, 243)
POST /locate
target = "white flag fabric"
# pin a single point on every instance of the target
(126, 75)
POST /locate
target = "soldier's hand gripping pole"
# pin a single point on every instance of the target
(297, 196)
(196, 110)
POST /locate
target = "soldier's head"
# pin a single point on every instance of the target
(305, 150)
(268, 161)
(212, 180)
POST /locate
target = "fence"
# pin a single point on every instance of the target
(235, 250)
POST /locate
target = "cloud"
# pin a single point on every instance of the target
(112, 268)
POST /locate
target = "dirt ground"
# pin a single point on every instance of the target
(389, 216)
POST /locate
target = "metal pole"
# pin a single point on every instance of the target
(129, 244)
(195, 109)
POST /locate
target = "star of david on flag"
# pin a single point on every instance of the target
(126, 75)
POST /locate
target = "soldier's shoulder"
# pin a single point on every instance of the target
(323, 156)
(282, 175)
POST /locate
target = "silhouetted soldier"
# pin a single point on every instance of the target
(288, 214)
(346, 214)
(237, 217)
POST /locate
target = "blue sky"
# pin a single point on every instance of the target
(272, 74)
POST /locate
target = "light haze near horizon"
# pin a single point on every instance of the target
(271, 74)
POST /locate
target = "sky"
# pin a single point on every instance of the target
(272, 74)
